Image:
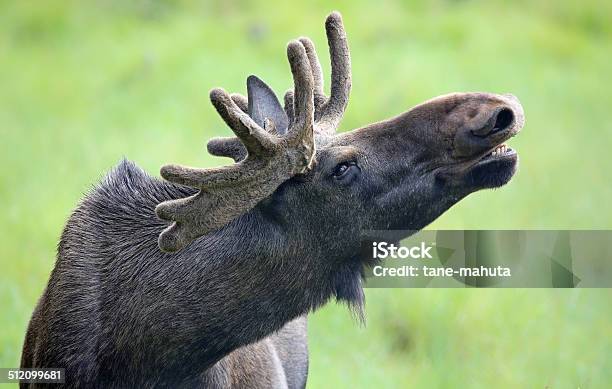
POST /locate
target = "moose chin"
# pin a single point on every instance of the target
(205, 278)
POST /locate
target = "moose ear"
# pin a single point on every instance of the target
(264, 104)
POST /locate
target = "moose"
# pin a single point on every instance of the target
(206, 278)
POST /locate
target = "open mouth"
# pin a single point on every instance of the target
(495, 168)
(501, 151)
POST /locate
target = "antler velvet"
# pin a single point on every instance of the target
(328, 111)
(267, 154)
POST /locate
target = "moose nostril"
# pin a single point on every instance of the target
(504, 119)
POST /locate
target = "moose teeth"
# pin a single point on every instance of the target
(499, 150)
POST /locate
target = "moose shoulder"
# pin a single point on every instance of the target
(246, 251)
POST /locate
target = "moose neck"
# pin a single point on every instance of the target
(281, 268)
(246, 281)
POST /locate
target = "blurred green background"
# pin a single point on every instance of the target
(83, 84)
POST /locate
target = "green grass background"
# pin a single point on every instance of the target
(83, 84)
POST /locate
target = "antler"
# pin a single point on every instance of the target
(271, 159)
(328, 111)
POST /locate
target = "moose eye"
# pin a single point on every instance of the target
(344, 169)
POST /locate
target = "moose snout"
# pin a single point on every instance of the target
(496, 119)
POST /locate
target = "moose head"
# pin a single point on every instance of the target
(293, 170)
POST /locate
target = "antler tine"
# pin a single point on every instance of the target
(317, 73)
(328, 112)
(301, 132)
(230, 146)
(227, 147)
(303, 85)
(240, 101)
(289, 105)
(254, 138)
(333, 110)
